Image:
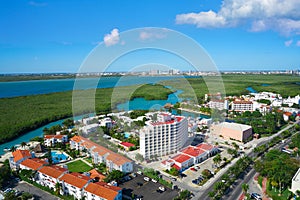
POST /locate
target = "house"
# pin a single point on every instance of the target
(296, 182)
(48, 176)
(32, 164)
(17, 157)
(101, 191)
(235, 131)
(74, 184)
(101, 154)
(218, 104)
(52, 140)
(126, 145)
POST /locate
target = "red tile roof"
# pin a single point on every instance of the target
(103, 190)
(20, 154)
(75, 179)
(181, 158)
(112, 156)
(53, 171)
(54, 136)
(176, 167)
(192, 151)
(95, 174)
(178, 119)
(242, 102)
(205, 147)
(33, 163)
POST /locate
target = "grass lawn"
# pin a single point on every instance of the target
(274, 194)
(78, 166)
(89, 160)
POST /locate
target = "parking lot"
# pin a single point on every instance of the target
(36, 192)
(146, 189)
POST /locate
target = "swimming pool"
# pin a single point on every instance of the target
(126, 135)
(58, 157)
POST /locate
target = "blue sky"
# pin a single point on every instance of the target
(56, 36)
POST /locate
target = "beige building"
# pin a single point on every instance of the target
(235, 131)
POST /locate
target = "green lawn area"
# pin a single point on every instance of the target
(78, 166)
(274, 194)
(89, 160)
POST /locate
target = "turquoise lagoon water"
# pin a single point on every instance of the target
(37, 132)
(24, 88)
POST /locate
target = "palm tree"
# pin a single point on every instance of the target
(217, 159)
(245, 188)
(13, 148)
(57, 188)
(23, 144)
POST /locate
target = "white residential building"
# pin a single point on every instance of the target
(242, 106)
(218, 104)
(48, 176)
(102, 191)
(101, 154)
(165, 136)
(51, 140)
(296, 182)
(74, 184)
(107, 122)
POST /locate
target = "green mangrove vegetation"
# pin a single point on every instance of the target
(22, 114)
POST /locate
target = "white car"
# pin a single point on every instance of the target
(146, 178)
(154, 181)
(162, 188)
(139, 172)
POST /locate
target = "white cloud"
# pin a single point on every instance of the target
(282, 16)
(112, 38)
(149, 34)
(37, 4)
(298, 43)
(288, 43)
(202, 19)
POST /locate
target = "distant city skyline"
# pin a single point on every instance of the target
(56, 36)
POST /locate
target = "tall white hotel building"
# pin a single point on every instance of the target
(165, 136)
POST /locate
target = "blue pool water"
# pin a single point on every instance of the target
(126, 135)
(58, 157)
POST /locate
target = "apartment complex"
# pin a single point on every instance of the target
(242, 106)
(78, 185)
(235, 131)
(218, 104)
(165, 136)
(101, 154)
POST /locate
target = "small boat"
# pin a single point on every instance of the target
(6, 149)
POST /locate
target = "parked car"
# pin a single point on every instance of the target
(139, 172)
(154, 181)
(146, 178)
(256, 196)
(7, 190)
(197, 167)
(133, 175)
(162, 188)
(193, 169)
(173, 179)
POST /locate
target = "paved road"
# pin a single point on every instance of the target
(36, 192)
(203, 195)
